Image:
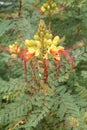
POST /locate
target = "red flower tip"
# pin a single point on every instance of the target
(65, 53)
(24, 55)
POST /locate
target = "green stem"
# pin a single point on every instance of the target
(49, 23)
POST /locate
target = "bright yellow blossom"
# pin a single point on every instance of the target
(41, 46)
(43, 9)
(14, 49)
(30, 43)
(56, 40)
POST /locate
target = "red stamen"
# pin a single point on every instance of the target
(62, 51)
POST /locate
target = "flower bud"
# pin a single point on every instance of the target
(60, 48)
(45, 5)
(30, 43)
(41, 34)
(53, 5)
(48, 7)
(43, 9)
(56, 40)
(48, 35)
(36, 37)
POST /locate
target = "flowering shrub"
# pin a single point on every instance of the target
(43, 45)
(38, 89)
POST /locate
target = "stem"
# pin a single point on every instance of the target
(45, 70)
(33, 69)
(57, 63)
(20, 8)
(78, 13)
(49, 23)
(25, 70)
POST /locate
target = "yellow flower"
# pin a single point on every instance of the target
(36, 37)
(54, 5)
(30, 43)
(31, 50)
(43, 9)
(60, 48)
(56, 49)
(48, 7)
(45, 5)
(37, 52)
(48, 36)
(33, 46)
(56, 40)
(53, 50)
(14, 48)
(53, 47)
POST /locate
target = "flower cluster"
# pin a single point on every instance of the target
(43, 43)
(21, 52)
(14, 49)
(49, 8)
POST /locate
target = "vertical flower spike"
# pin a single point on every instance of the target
(49, 8)
(44, 44)
(45, 39)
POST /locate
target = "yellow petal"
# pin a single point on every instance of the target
(48, 36)
(60, 48)
(38, 43)
(37, 52)
(56, 40)
(29, 43)
(43, 9)
(36, 37)
(31, 50)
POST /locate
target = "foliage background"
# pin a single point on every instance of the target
(27, 106)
